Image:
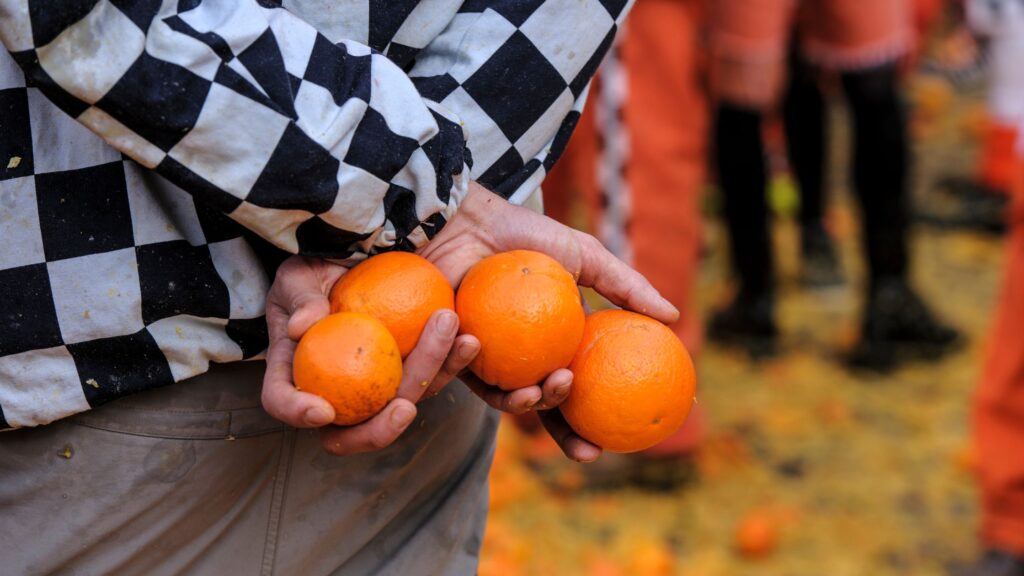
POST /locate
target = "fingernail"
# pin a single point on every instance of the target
(402, 416)
(317, 416)
(467, 350)
(446, 324)
(562, 390)
(532, 403)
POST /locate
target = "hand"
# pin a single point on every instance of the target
(486, 224)
(297, 300)
(545, 400)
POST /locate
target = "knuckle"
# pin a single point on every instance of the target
(509, 404)
(379, 441)
(284, 270)
(434, 354)
(440, 381)
(591, 243)
(270, 404)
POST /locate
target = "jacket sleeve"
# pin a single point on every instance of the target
(517, 74)
(321, 148)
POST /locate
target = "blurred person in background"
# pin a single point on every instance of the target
(863, 43)
(999, 399)
(637, 165)
(981, 199)
(805, 125)
(999, 413)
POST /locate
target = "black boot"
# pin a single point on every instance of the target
(995, 563)
(898, 326)
(965, 204)
(748, 322)
(820, 264)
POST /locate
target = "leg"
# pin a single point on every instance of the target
(806, 140)
(748, 46)
(666, 124)
(897, 323)
(999, 408)
(807, 146)
(740, 163)
(665, 120)
(880, 162)
(739, 160)
(979, 201)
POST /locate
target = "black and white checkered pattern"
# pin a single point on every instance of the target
(327, 127)
(114, 279)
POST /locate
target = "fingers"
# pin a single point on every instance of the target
(295, 301)
(424, 365)
(280, 398)
(300, 289)
(574, 447)
(310, 309)
(462, 353)
(555, 389)
(429, 356)
(375, 434)
(619, 283)
(514, 402)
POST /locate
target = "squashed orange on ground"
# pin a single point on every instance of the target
(757, 535)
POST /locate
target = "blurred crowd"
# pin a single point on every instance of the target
(698, 96)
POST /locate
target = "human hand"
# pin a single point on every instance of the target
(485, 225)
(297, 300)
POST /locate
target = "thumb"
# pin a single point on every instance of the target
(310, 308)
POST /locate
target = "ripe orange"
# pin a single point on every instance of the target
(525, 309)
(350, 360)
(633, 382)
(400, 289)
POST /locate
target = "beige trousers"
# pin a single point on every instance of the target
(196, 478)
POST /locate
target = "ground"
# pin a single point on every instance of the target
(862, 474)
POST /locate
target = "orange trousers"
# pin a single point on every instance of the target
(637, 162)
(999, 401)
(997, 162)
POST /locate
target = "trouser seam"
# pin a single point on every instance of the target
(277, 502)
(201, 437)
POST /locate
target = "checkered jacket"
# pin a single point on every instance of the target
(157, 157)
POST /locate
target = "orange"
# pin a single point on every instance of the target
(651, 559)
(400, 289)
(525, 309)
(756, 535)
(350, 360)
(633, 382)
